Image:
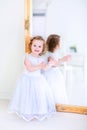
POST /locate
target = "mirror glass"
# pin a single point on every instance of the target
(69, 20)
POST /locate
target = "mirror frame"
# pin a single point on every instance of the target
(27, 22)
(27, 30)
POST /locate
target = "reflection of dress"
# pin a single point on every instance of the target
(56, 81)
(32, 97)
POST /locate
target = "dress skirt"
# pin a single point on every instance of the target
(57, 83)
(32, 97)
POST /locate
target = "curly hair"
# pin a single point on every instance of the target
(37, 38)
(52, 41)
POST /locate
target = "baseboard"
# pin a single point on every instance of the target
(5, 95)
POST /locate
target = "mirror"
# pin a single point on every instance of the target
(69, 20)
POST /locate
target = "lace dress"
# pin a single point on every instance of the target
(32, 97)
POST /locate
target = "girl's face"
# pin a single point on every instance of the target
(37, 47)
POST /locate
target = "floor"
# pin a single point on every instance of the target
(61, 121)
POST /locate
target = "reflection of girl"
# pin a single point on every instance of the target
(33, 97)
(54, 75)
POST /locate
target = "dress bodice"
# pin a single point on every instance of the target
(34, 61)
(54, 55)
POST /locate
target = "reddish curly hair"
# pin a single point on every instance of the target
(37, 38)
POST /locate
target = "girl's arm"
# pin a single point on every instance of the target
(60, 61)
(49, 64)
(64, 59)
(31, 68)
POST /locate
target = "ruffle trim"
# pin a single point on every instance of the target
(30, 117)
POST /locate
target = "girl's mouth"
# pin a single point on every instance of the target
(36, 50)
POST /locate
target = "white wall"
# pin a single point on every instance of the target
(11, 44)
(68, 18)
(39, 25)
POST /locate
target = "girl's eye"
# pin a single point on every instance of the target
(34, 45)
(39, 46)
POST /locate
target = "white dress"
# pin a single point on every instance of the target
(33, 97)
(56, 80)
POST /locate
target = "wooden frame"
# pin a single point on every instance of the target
(71, 108)
(27, 22)
(27, 27)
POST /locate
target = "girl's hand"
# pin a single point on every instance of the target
(42, 65)
(66, 58)
(52, 62)
(50, 59)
